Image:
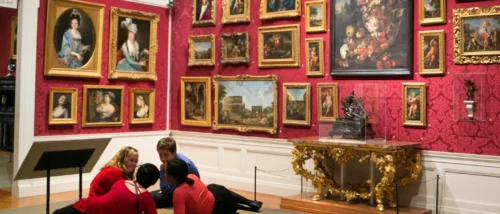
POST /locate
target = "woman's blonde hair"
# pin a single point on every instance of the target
(118, 160)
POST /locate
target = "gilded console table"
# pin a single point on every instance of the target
(387, 156)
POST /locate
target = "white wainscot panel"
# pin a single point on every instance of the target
(231, 162)
(205, 157)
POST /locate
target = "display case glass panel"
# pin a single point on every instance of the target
(469, 93)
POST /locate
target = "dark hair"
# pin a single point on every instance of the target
(74, 16)
(167, 143)
(179, 170)
(147, 175)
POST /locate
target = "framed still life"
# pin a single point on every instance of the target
(371, 38)
(246, 103)
(132, 45)
(235, 48)
(279, 46)
(315, 57)
(13, 37)
(203, 12)
(315, 16)
(142, 106)
(102, 105)
(296, 104)
(327, 102)
(73, 42)
(431, 44)
(273, 9)
(432, 12)
(236, 11)
(201, 50)
(62, 105)
(414, 104)
(476, 32)
(196, 101)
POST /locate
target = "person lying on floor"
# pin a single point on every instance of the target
(191, 196)
(125, 197)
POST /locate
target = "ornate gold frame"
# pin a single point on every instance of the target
(459, 56)
(321, 28)
(13, 23)
(208, 100)
(441, 57)
(307, 121)
(151, 116)
(227, 18)
(53, 67)
(335, 96)
(276, 15)
(423, 104)
(244, 128)
(321, 56)
(74, 104)
(113, 73)
(429, 21)
(294, 61)
(224, 58)
(85, 102)
(206, 22)
(201, 62)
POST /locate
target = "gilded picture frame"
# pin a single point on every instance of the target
(13, 37)
(65, 54)
(143, 67)
(195, 109)
(327, 101)
(315, 56)
(198, 50)
(469, 26)
(236, 11)
(414, 104)
(232, 49)
(261, 117)
(432, 52)
(432, 12)
(296, 104)
(96, 111)
(270, 9)
(204, 17)
(141, 106)
(289, 41)
(62, 109)
(315, 10)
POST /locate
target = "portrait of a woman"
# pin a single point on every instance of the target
(141, 108)
(73, 53)
(61, 111)
(130, 57)
(107, 111)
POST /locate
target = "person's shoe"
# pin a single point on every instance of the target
(256, 205)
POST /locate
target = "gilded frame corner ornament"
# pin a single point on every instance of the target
(209, 22)
(74, 106)
(294, 60)
(227, 18)
(151, 114)
(335, 104)
(422, 104)
(86, 101)
(431, 21)
(246, 128)
(263, 14)
(321, 56)
(307, 104)
(113, 45)
(477, 57)
(441, 48)
(208, 100)
(13, 35)
(192, 61)
(307, 6)
(234, 60)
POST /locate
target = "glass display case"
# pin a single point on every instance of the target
(469, 93)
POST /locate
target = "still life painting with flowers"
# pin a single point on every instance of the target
(372, 37)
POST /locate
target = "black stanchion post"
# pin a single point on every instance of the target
(301, 185)
(80, 170)
(255, 184)
(48, 189)
(397, 198)
(437, 194)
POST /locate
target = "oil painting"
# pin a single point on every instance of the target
(235, 11)
(235, 48)
(13, 37)
(62, 105)
(272, 9)
(279, 46)
(142, 106)
(432, 52)
(315, 16)
(196, 101)
(315, 57)
(414, 104)
(203, 12)
(102, 105)
(432, 12)
(296, 104)
(327, 102)
(201, 50)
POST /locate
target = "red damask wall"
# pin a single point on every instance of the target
(5, 18)
(43, 84)
(441, 134)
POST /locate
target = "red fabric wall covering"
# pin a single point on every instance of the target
(442, 133)
(5, 18)
(43, 84)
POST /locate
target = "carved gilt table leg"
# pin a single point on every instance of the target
(386, 185)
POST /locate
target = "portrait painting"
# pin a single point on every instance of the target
(315, 16)
(142, 106)
(196, 101)
(279, 46)
(371, 38)
(414, 104)
(235, 48)
(102, 105)
(203, 12)
(432, 52)
(246, 103)
(201, 50)
(432, 12)
(296, 104)
(13, 37)
(476, 35)
(132, 45)
(62, 105)
(235, 11)
(272, 9)
(327, 102)
(73, 45)
(315, 57)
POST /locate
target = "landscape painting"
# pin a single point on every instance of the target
(196, 101)
(296, 104)
(201, 50)
(315, 16)
(432, 11)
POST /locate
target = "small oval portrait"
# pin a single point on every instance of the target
(133, 44)
(141, 108)
(74, 38)
(62, 106)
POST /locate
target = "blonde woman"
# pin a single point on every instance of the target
(142, 108)
(122, 166)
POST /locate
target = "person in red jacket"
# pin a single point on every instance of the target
(125, 197)
(122, 166)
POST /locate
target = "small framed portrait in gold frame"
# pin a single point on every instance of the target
(315, 57)
(203, 12)
(327, 102)
(432, 11)
(414, 104)
(431, 45)
(235, 48)
(102, 105)
(279, 46)
(142, 106)
(196, 101)
(13, 37)
(201, 50)
(274, 9)
(315, 16)
(236, 11)
(297, 104)
(62, 105)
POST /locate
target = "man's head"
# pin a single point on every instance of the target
(167, 149)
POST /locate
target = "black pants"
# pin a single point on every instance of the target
(225, 203)
(163, 200)
(67, 210)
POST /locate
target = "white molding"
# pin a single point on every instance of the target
(104, 135)
(156, 3)
(169, 68)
